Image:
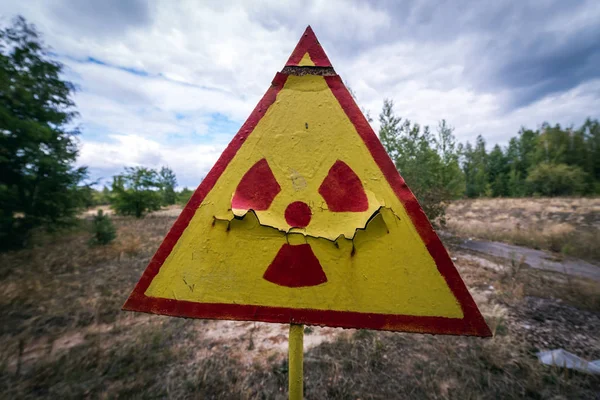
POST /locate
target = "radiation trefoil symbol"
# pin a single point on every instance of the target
(296, 265)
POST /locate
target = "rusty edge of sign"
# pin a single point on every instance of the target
(308, 70)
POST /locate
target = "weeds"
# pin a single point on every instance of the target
(386, 365)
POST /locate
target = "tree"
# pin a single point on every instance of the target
(102, 197)
(39, 184)
(549, 179)
(480, 160)
(590, 131)
(413, 151)
(103, 229)
(451, 176)
(515, 185)
(498, 172)
(136, 192)
(528, 143)
(468, 168)
(167, 182)
(184, 196)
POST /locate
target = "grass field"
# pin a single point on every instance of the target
(64, 335)
(564, 225)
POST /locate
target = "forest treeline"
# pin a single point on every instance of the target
(549, 161)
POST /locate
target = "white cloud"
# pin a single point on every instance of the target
(109, 158)
(126, 103)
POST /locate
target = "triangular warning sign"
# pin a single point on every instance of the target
(305, 219)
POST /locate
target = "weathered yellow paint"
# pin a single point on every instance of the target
(306, 61)
(223, 260)
(295, 362)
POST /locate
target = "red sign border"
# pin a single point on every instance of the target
(309, 44)
(471, 324)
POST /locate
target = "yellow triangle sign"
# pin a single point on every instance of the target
(304, 219)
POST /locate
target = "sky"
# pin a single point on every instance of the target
(170, 82)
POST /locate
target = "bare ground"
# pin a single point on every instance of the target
(64, 335)
(535, 258)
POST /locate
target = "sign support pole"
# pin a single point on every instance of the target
(295, 362)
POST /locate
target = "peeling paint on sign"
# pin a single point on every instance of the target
(304, 219)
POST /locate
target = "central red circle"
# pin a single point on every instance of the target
(298, 214)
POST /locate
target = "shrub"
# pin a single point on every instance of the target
(103, 228)
(136, 192)
(555, 180)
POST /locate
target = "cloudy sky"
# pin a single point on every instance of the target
(170, 82)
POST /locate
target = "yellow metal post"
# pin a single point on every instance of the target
(295, 362)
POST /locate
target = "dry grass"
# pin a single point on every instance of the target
(567, 225)
(62, 282)
(64, 336)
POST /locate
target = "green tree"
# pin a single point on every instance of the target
(167, 182)
(481, 177)
(103, 228)
(466, 153)
(413, 151)
(451, 176)
(590, 130)
(39, 184)
(184, 196)
(552, 145)
(498, 172)
(515, 185)
(528, 143)
(102, 197)
(475, 167)
(136, 192)
(549, 179)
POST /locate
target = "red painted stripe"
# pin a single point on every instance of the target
(309, 43)
(342, 319)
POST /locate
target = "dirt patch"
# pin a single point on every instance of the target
(256, 342)
(548, 324)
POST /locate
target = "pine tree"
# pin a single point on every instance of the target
(167, 182)
(498, 172)
(451, 176)
(103, 229)
(480, 182)
(413, 150)
(38, 179)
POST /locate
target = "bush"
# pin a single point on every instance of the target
(184, 196)
(556, 180)
(103, 228)
(136, 192)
